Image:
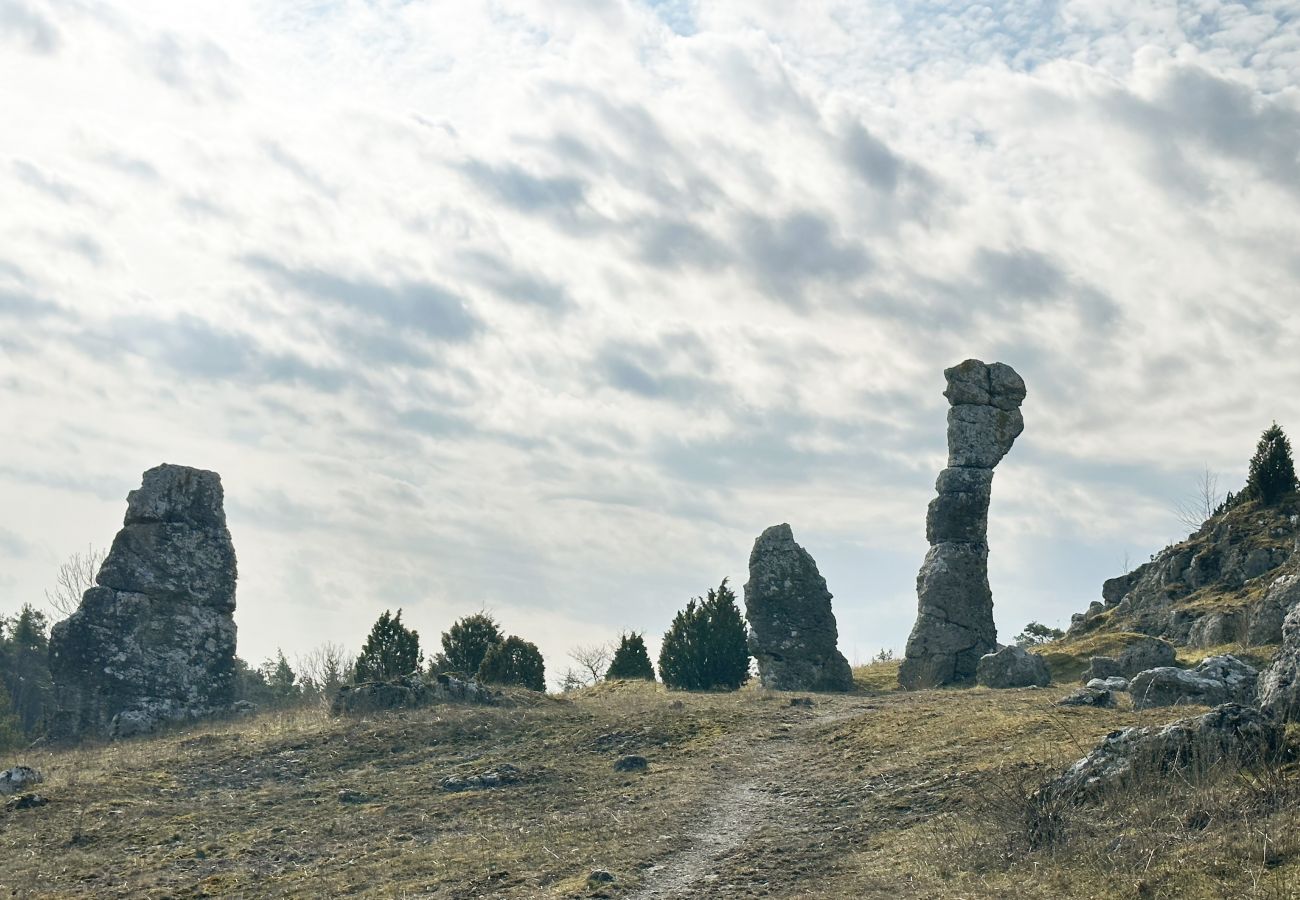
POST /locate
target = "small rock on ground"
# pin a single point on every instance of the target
(631, 764)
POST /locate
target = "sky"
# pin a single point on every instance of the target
(550, 307)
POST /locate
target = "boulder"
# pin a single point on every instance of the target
(1279, 686)
(1216, 680)
(1229, 735)
(1088, 696)
(18, 778)
(499, 776)
(1012, 667)
(792, 631)
(1147, 653)
(1114, 683)
(1102, 667)
(631, 763)
(954, 624)
(1216, 629)
(154, 640)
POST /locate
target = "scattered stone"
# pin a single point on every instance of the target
(26, 801)
(954, 625)
(154, 640)
(598, 877)
(1279, 686)
(347, 795)
(1012, 667)
(792, 632)
(1088, 696)
(501, 775)
(631, 764)
(14, 780)
(243, 708)
(677, 704)
(1217, 680)
(805, 702)
(1113, 683)
(1227, 735)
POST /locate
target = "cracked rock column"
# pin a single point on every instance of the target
(155, 639)
(954, 623)
(792, 631)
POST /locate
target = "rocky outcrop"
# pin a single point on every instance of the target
(1138, 656)
(1230, 735)
(792, 632)
(1012, 667)
(19, 778)
(408, 692)
(154, 641)
(1264, 624)
(1113, 683)
(954, 625)
(1217, 680)
(1279, 686)
(1233, 580)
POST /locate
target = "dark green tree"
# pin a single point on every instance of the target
(706, 647)
(281, 681)
(391, 651)
(466, 643)
(250, 684)
(630, 660)
(1036, 633)
(1272, 471)
(25, 665)
(513, 661)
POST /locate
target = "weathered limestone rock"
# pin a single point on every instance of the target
(1148, 653)
(1113, 683)
(154, 641)
(1264, 624)
(792, 631)
(1012, 667)
(17, 778)
(408, 692)
(1088, 696)
(1279, 686)
(954, 625)
(1217, 680)
(1227, 735)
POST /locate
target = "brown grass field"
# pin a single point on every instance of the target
(873, 794)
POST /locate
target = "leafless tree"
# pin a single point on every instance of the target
(593, 661)
(1194, 509)
(75, 576)
(571, 680)
(324, 668)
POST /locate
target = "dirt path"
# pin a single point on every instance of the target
(759, 803)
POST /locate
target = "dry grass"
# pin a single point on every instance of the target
(875, 794)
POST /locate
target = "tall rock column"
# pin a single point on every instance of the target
(954, 623)
(155, 639)
(792, 630)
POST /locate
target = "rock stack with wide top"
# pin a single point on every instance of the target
(154, 641)
(954, 625)
(792, 630)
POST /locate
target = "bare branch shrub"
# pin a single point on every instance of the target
(75, 576)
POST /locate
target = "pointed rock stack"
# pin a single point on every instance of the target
(155, 640)
(792, 630)
(954, 625)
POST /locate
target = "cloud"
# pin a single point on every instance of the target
(787, 253)
(20, 22)
(419, 306)
(50, 185)
(561, 197)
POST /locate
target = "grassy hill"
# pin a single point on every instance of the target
(874, 794)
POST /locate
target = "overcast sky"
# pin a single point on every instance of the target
(550, 308)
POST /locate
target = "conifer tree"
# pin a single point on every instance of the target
(1272, 471)
(706, 647)
(514, 661)
(391, 651)
(466, 643)
(630, 660)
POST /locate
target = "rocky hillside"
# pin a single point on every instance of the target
(1232, 582)
(631, 791)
